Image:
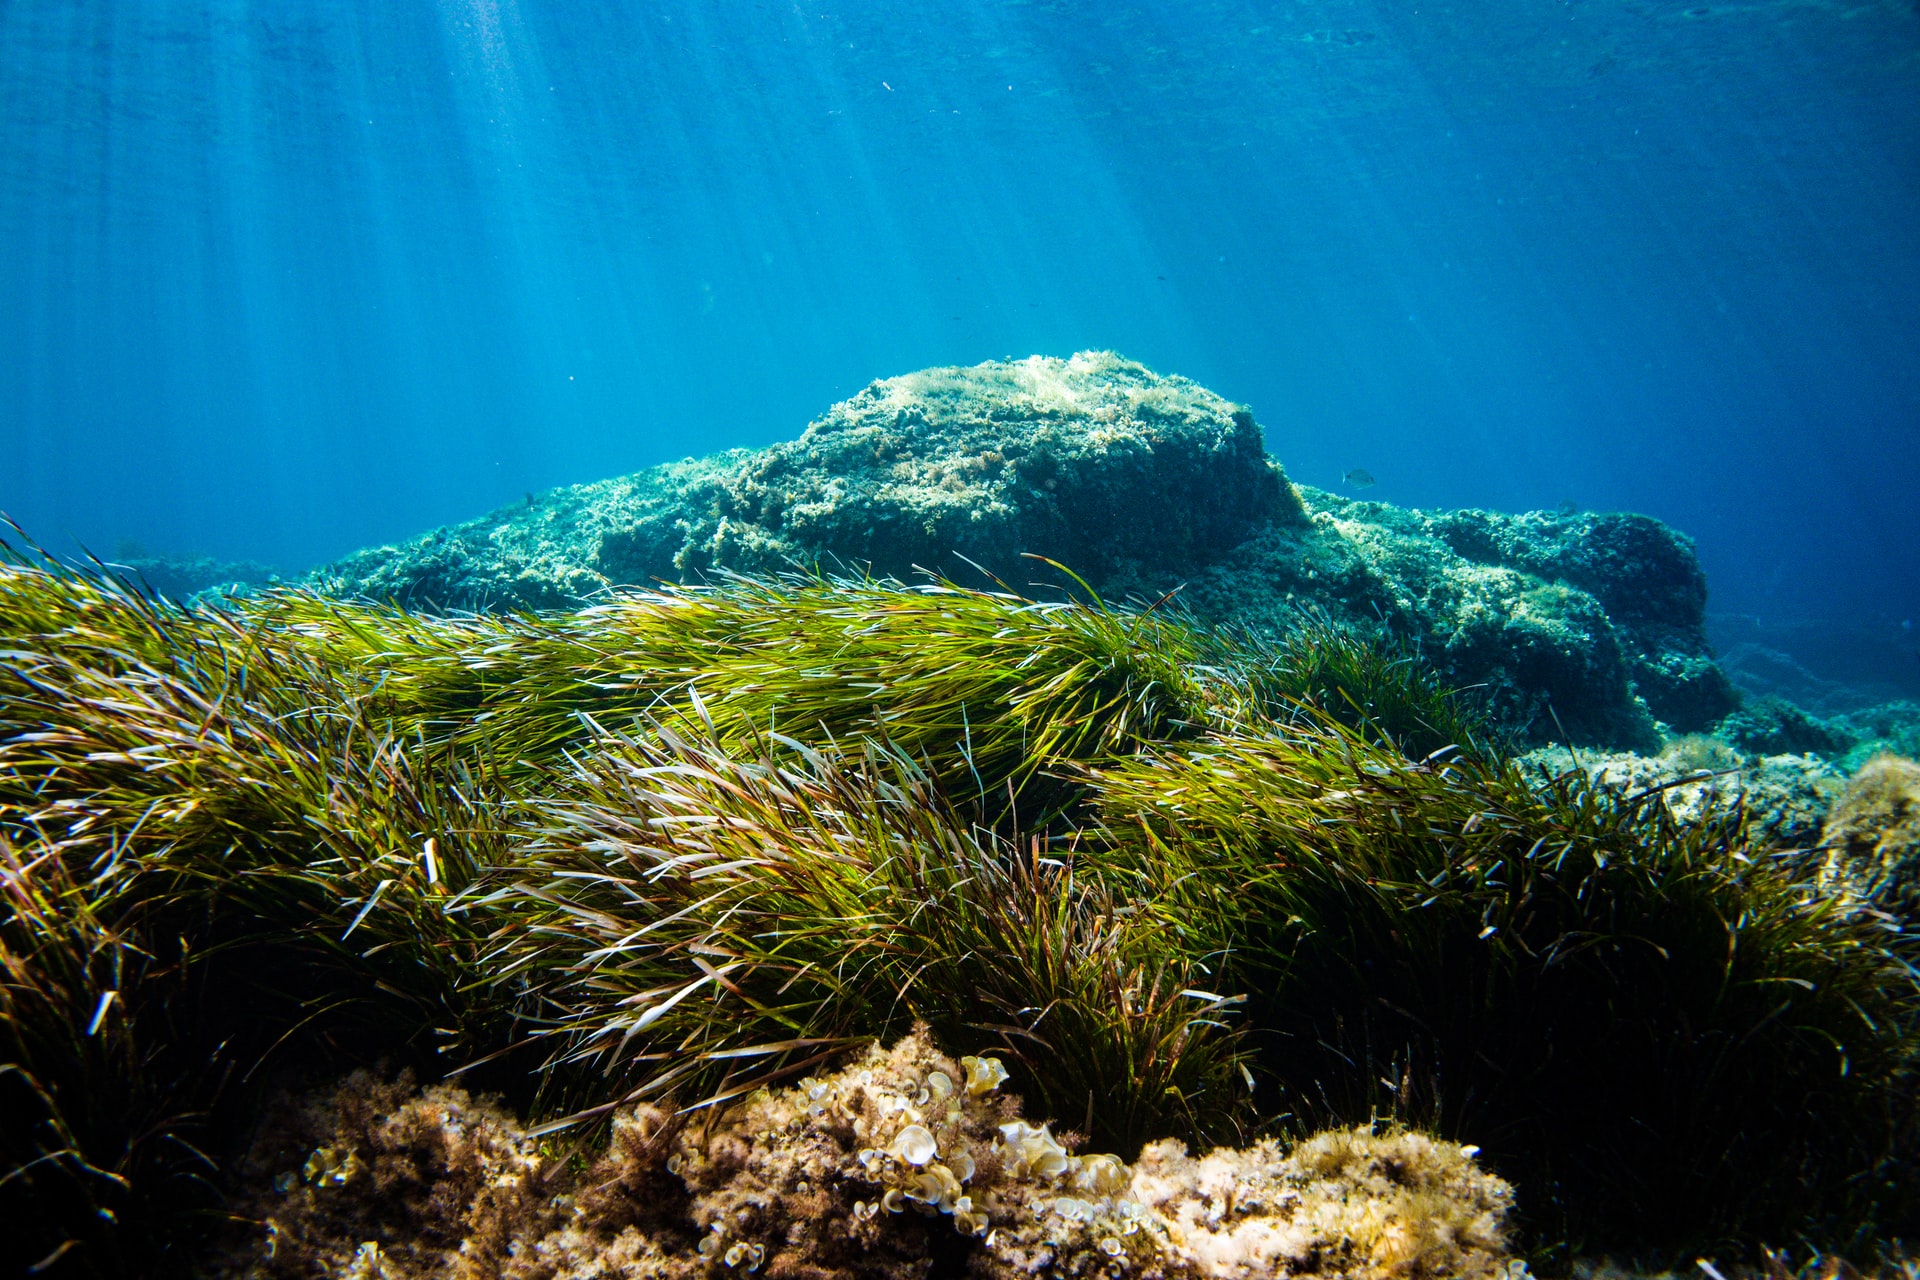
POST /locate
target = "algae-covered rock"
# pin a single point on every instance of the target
(1772, 725)
(902, 1163)
(1582, 626)
(1094, 461)
(1788, 794)
(1767, 723)
(185, 579)
(1872, 834)
(1884, 728)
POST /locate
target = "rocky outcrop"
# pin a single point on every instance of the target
(1094, 461)
(188, 578)
(1696, 776)
(1583, 626)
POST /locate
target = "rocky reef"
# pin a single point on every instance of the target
(1094, 461)
(185, 578)
(1585, 626)
(1696, 776)
(899, 1163)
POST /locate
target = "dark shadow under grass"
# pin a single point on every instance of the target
(1660, 1036)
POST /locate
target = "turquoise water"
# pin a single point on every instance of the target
(280, 281)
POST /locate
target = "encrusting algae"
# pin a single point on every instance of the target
(1872, 833)
(901, 1164)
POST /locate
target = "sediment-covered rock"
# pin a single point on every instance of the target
(1585, 626)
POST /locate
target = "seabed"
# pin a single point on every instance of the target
(1253, 956)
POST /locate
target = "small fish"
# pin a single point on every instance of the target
(1359, 478)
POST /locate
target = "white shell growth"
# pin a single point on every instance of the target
(937, 1187)
(332, 1167)
(1032, 1151)
(914, 1144)
(984, 1075)
(1103, 1175)
(1074, 1209)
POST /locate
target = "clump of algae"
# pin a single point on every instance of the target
(1872, 833)
(898, 1162)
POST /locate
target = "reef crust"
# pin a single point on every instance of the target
(1697, 775)
(901, 1164)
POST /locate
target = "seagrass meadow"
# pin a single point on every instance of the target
(684, 847)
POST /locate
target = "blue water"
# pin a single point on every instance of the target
(277, 281)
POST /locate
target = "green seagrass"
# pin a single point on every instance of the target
(692, 841)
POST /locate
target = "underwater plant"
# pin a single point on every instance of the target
(1376, 685)
(1769, 725)
(103, 1082)
(1607, 999)
(192, 820)
(297, 793)
(988, 687)
(695, 843)
(762, 915)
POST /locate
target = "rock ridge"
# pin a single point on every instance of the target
(1588, 626)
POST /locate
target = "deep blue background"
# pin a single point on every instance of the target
(281, 280)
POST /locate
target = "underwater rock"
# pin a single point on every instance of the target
(1886, 727)
(1832, 666)
(1581, 626)
(190, 579)
(1771, 725)
(1584, 626)
(1094, 461)
(889, 1167)
(1760, 670)
(1696, 775)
